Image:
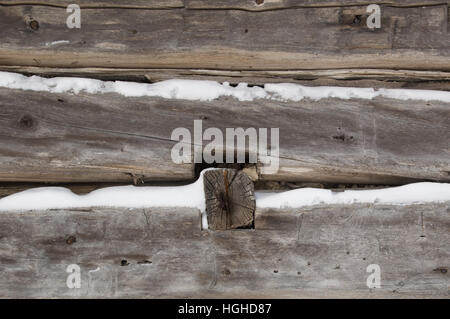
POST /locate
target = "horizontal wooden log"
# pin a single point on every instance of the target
(256, 5)
(129, 4)
(320, 251)
(206, 35)
(65, 140)
(47, 137)
(263, 5)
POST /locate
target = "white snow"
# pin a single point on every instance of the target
(401, 195)
(210, 90)
(42, 198)
(193, 196)
(56, 42)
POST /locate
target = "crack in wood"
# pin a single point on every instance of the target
(299, 225)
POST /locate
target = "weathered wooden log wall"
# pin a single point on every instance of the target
(141, 253)
(90, 140)
(381, 141)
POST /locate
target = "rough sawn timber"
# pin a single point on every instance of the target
(46, 137)
(276, 36)
(320, 251)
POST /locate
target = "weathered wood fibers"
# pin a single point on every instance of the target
(373, 78)
(111, 138)
(96, 142)
(263, 5)
(284, 36)
(130, 4)
(152, 253)
(230, 199)
(259, 5)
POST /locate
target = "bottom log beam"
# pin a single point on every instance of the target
(322, 251)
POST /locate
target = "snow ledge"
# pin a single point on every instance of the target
(210, 90)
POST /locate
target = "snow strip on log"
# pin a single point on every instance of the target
(193, 196)
(210, 90)
(416, 193)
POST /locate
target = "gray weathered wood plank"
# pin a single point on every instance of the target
(131, 4)
(47, 137)
(67, 138)
(219, 4)
(261, 5)
(413, 38)
(319, 251)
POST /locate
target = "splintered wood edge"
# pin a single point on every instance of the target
(230, 199)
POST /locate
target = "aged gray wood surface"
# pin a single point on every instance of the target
(320, 251)
(257, 5)
(66, 138)
(262, 5)
(223, 35)
(230, 199)
(48, 137)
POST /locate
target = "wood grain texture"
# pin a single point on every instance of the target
(47, 137)
(263, 5)
(372, 78)
(130, 4)
(414, 36)
(220, 4)
(230, 199)
(155, 253)
(72, 138)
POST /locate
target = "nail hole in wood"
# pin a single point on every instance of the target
(442, 270)
(226, 272)
(70, 240)
(34, 25)
(357, 19)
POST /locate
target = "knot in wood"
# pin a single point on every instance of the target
(34, 25)
(26, 121)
